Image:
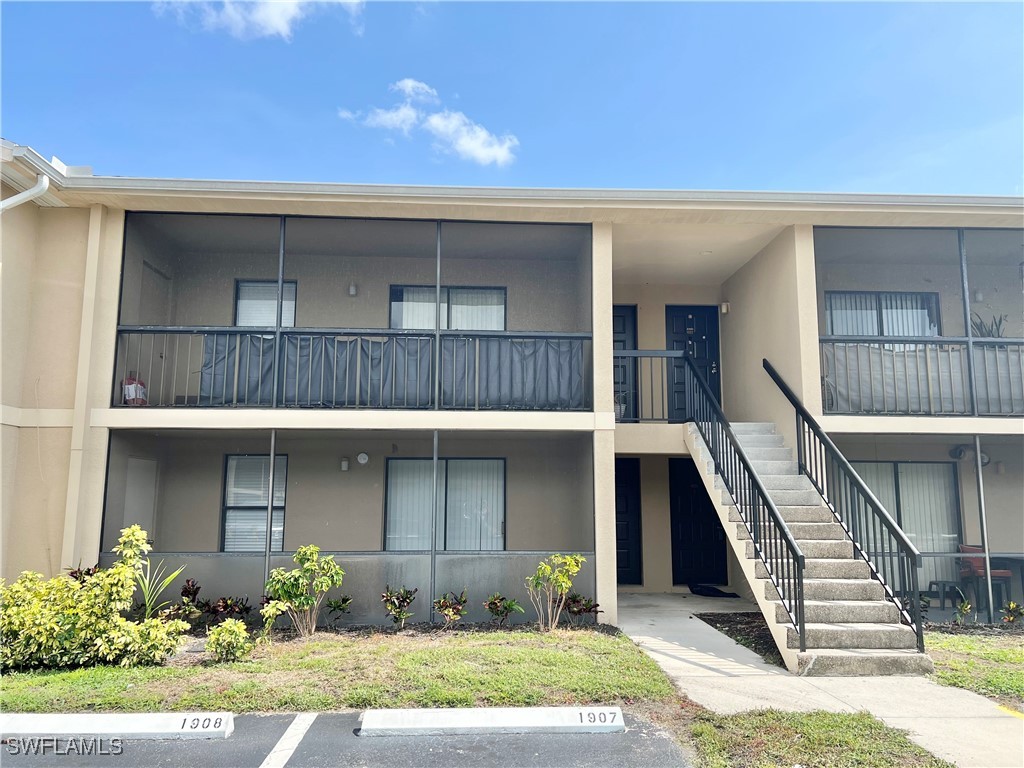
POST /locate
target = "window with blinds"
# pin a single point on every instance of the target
(470, 504)
(256, 303)
(883, 313)
(246, 496)
(924, 500)
(462, 309)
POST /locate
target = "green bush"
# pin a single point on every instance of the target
(65, 622)
(549, 587)
(452, 607)
(303, 589)
(229, 641)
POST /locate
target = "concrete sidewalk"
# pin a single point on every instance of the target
(718, 673)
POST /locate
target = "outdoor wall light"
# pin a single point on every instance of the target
(724, 306)
(1000, 468)
(344, 463)
(363, 458)
(353, 289)
(979, 296)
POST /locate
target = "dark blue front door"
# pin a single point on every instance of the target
(693, 329)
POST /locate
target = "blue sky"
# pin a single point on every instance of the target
(856, 97)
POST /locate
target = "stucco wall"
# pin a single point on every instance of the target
(650, 301)
(549, 487)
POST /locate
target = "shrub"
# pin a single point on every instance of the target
(64, 622)
(1012, 612)
(452, 607)
(229, 641)
(578, 608)
(152, 585)
(224, 608)
(397, 602)
(501, 607)
(303, 589)
(80, 573)
(337, 607)
(549, 585)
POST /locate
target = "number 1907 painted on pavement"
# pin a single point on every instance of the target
(603, 718)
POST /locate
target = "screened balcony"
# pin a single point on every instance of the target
(503, 502)
(921, 321)
(268, 312)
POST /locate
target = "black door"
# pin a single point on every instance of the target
(693, 329)
(624, 370)
(627, 521)
(698, 541)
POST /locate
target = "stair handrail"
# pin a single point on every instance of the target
(808, 430)
(750, 496)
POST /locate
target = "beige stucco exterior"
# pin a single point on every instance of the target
(62, 277)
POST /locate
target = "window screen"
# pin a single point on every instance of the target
(881, 314)
(246, 489)
(256, 304)
(470, 504)
(462, 309)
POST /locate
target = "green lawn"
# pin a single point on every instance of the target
(339, 671)
(992, 665)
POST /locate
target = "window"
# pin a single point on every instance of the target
(923, 498)
(462, 309)
(256, 303)
(470, 504)
(862, 313)
(246, 490)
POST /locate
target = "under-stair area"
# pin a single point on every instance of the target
(851, 628)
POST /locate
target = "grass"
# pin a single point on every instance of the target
(992, 665)
(341, 671)
(771, 738)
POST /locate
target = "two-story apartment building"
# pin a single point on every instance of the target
(444, 385)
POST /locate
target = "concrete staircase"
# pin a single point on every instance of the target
(851, 628)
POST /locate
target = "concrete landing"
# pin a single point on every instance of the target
(718, 673)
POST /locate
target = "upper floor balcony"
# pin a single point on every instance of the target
(921, 321)
(269, 312)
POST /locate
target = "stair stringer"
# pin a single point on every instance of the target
(705, 466)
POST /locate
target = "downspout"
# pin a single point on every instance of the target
(38, 190)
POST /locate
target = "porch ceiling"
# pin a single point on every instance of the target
(700, 254)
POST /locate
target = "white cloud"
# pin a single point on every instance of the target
(471, 141)
(402, 118)
(414, 90)
(453, 132)
(249, 19)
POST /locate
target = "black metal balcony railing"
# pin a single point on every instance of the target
(350, 368)
(648, 385)
(938, 376)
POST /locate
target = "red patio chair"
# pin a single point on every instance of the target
(972, 572)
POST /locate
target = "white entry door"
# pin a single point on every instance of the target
(140, 495)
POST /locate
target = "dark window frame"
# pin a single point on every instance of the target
(444, 548)
(394, 287)
(879, 310)
(224, 508)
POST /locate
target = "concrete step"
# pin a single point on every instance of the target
(794, 515)
(854, 636)
(778, 482)
(804, 531)
(836, 589)
(769, 454)
(843, 612)
(863, 661)
(753, 428)
(761, 441)
(787, 497)
(836, 568)
(832, 550)
(774, 467)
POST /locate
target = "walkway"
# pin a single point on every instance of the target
(717, 673)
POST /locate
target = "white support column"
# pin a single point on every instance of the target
(604, 434)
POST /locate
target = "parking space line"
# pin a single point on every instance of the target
(286, 745)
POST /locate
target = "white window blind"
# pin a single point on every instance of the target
(462, 309)
(476, 309)
(257, 304)
(470, 504)
(881, 314)
(246, 493)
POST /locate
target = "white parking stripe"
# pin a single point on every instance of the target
(284, 748)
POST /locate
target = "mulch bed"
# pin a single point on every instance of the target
(749, 630)
(970, 628)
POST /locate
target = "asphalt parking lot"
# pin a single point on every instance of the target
(332, 740)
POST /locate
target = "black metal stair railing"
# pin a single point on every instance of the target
(877, 538)
(773, 542)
